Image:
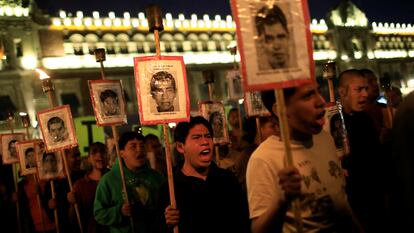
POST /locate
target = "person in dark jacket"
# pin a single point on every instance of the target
(209, 199)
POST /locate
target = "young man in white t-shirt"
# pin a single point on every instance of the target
(315, 178)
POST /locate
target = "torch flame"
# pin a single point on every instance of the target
(42, 74)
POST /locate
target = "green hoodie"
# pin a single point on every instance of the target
(142, 187)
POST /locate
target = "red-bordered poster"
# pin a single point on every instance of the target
(335, 126)
(213, 111)
(57, 128)
(108, 102)
(234, 82)
(8, 147)
(254, 105)
(275, 43)
(26, 152)
(49, 164)
(162, 90)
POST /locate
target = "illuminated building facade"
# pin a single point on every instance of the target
(63, 46)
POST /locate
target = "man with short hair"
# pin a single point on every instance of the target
(110, 103)
(236, 132)
(209, 199)
(163, 91)
(73, 156)
(29, 158)
(315, 178)
(273, 38)
(49, 164)
(57, 129)
(12, 148)
(142, 184)
(84, 190)
(364, 183)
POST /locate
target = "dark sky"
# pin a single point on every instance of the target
(398, 11)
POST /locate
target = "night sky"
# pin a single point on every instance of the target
(398, 11)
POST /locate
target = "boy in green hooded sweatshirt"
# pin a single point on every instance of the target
(142, 186)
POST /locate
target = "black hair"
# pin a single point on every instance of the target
(69, 150)
(232, 110)
(28, 150)
(151, 136)
(108, 93)
(11, 142)
(344, 76)
(183, 128)
(214, 115)
(269, 16)
(269, 99)
(48, 154)
(366, 72)
(97, 147)
(128, 136)
(55, 120)
(161, 76)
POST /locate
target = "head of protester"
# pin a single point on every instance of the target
(314, 175)
(194, 140)
(142, 184)
(353, 91)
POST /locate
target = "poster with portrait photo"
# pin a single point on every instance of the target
(49, 164)
(213, 111)
(334, 125)
(56, 125)
(8, 147)
(162, 91)
(254, 105)
(234, 82)
(108, 102)
(26, 153)
(275, 43)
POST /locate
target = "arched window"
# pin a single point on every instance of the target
(166, 40)
(193, 38)
(139, 40)
(109, 40)
(91, 39)
(179, 38)
(122, 40)
(77, 40)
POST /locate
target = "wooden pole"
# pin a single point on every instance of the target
(240, 124)
(169, 171)
(389, 109)
(216, 147)
(121, 170)
(25, 121)
(65, 163)
(52, 188)
(16, 188)
(155, 25)
(285, 135)
(210, 91)
(39, 203)
(331, 90)
(100, 57)
(53, 102)
(15, 176)
(258, 129)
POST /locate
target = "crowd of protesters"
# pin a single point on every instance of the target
(367, 190)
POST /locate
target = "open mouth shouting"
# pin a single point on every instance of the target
(320, 119)
(206, 155)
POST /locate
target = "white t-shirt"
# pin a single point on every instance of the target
(322, 189)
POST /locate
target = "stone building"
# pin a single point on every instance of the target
(63, 45)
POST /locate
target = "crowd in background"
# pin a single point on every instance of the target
(371, 184)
